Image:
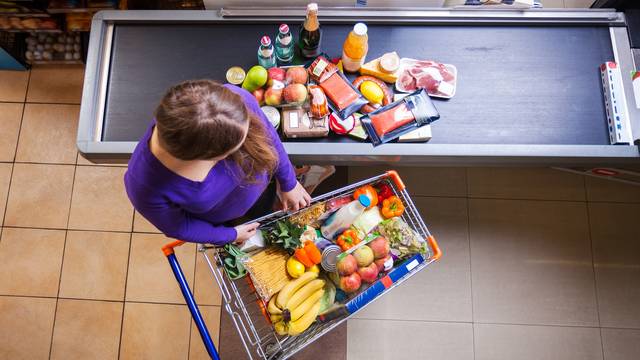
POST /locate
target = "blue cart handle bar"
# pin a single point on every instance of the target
(188, 297)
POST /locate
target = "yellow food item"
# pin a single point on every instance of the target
(275, 318)
(314, 269)
(281, 328)
(272, 308)
(299, 326)
(372, 92)
(291, 287)
(268, 271)
(301, 295)
(373, 68)
(295, 268)
(306, 305)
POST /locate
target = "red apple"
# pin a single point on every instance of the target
(368, 274)
(350, 283)
(273, 96)
(363, 255)
(259, 95)
(380, 247)
(277, 74)
(295, 93)
(347, 265)
(297, 75)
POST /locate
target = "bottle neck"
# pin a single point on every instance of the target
(311, 22)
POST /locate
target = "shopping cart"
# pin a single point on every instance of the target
(247, 309)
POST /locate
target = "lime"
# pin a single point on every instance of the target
(256, 78)
(372, 92)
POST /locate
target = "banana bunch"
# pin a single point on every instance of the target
(297, 305)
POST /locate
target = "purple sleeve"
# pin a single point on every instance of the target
(173, 221)
(285, 173)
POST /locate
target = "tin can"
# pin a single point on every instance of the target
(235, 75)
(272, 114)
(330, 257)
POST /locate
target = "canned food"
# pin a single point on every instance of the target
(330, 258)
(235, 75)
(272, 114)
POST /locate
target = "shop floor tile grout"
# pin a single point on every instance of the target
(67, 229)
(124, 295)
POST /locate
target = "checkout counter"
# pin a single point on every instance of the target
(529, 90)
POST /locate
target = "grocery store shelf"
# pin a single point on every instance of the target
(76, 10)
(55, 62)
(32, 30)
(34, 15)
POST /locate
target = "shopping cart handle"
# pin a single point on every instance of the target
(437, 253)
(168, 248)
(396, 179)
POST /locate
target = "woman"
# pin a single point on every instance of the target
(205, 161)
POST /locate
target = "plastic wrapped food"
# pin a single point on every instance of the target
(400, 117)
(318, 105)
(403, 240)
(438, 79)
(268, 271)
(309, 216)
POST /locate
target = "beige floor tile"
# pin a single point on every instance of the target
(615, 232)
(531, 263)
(48, 134)
(31, 261)
(206, 289)
(525, 183)
(13, 85)
(621, 344)
(5, 179)
(155, 331)
(100, 201)
(423, 181)
(56, 84)
(40, 196)
(400, 340)
(211, 315)
(549, 4)
(26, 327)
(578, 3)
(95, 265)
(83, 161)
(611, 191)
(150, 277)
(86, 330)
(442, 291)
(140, 224)
(497, 342)
(10, 117)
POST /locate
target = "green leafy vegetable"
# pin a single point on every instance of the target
(285, 235)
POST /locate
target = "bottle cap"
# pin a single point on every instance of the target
(265, 41)
(284, 28)
(360, 29)
(364, 200)
(312, 7)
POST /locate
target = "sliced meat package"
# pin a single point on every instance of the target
(400, 117)
(438, 79)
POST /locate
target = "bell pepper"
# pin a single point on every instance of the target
(392, 207)
(369, 192)
(301, 255)
(313, 253)
(384, 191)
(348, 239)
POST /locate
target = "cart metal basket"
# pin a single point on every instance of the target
(246, 308)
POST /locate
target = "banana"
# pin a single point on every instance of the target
(306, 305)
(281, 328)
(302, 324)
(275, 318)
(302, 294)
(272, 308)
(292, 286)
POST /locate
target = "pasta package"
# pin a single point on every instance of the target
(400, 117)
(344, 98)
(268, 271)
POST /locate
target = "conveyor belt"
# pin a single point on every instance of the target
(516, 85)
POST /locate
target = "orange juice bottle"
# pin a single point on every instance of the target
(355, 48)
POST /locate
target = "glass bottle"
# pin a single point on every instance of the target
(310, 33)
(266, 54)
(284, 45)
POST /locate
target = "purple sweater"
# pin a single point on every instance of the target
(195, 210)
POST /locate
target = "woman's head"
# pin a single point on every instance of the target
(203, 120)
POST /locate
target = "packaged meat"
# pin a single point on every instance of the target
(344, 98)
(318, 105)
(296, 123)
(438, 79)
(400, 117)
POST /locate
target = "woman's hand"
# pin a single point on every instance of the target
(295, 199)
(244, 232)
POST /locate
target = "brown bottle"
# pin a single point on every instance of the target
(310, 33)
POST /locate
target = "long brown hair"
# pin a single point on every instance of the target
(201, 120)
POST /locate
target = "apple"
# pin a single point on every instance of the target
(363, 255)
(380, 247)
(368, 274)
(273, 96)
(350, 283)
(259, 95)
(384, 264)
(295, 93)
(347, 265)
(297, 75)
(277, 74)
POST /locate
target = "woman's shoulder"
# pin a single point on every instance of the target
(248, 98)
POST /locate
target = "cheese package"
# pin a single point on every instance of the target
(386, 71)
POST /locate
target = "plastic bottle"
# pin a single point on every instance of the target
(354, 50)
(344, 217)
(266, 54)
(310, 33)
(284, 45)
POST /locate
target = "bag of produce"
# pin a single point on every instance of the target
(400, 117)
(403, 240)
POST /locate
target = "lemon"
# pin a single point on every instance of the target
(295, 268)
(314, 269)
(372, 92)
